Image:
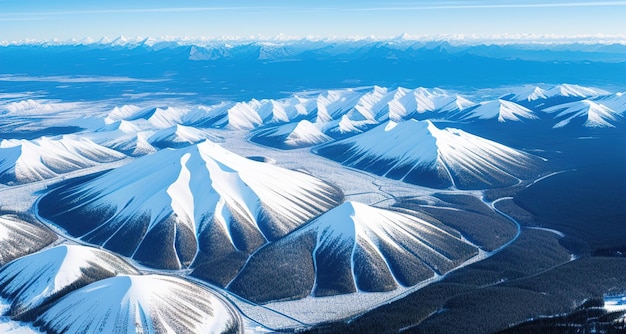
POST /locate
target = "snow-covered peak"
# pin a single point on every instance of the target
(333, 104)
(570, 90)
(37, 107)
(350, 249)
(591, 113)
(615, 102)
(35, 279)
(180, 135)
(141, 304)
(125, 112)
(291, 135)
(27, 161)
(502, 110)
(198, 189)
(528, 94)
(419, 152)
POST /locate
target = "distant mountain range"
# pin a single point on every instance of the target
(401, 46)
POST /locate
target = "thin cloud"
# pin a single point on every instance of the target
(130, 11)
(495, 6)
(74, 79)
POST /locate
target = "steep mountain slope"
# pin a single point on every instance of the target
(536, 97)
(23, 161)
(19, 238)
(587, 113)
(291, 135)
(40, 278)
(141, 304)
(180, 136)
(420, 153)
(353, 247)
(127, 137)
(500, 110)
(574, 91)
(200, 204)
(526, 94)
(157, 117)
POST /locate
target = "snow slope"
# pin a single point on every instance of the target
(420, 153)
(500, 110)
(34, 280)
(180, 135)
(574, 91)
(23, 161)
(591, 113)
(526, 94)
(291, 135)
(353, 247)
(198, 203)
(141, 304)
(19, 238)
(157, 117)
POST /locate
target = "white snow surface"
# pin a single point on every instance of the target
(501, 110)
(141, 304)
(204, 180)
(594, 114)
(570, 90)
(27, 161)
(354, 222)
(528, 93)
(421, 143)
(35, 278)
(294, 135)
(180, 134)
(19, 238)
(37, 107)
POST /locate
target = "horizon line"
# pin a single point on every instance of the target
(406, 37)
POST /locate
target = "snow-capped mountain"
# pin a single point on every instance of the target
(615, 102)
(125, 137)
(19, 238)
(574, 91)
(353, 247)
(420, 153)
(141, 304)
(197, 204)
(291, 135)
(589, 113)
(500, 110)
(251, 114)
(36, 107)
(526, 94)
(180, 135)
(23, 161)
(536, 97)
(156, 117)
(34, 280)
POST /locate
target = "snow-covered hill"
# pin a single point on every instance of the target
(536, 97)
(353, 247)
(291, 135)
(34, 280)
(200, 203)
(19, 238)
(589, 113)
(500, 110)
(180, 135)
(141, 304)
(420, 153)
(23, 161)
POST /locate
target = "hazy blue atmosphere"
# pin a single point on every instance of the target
(66, 19)
(312, 167)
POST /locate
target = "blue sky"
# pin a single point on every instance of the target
(65, 19)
